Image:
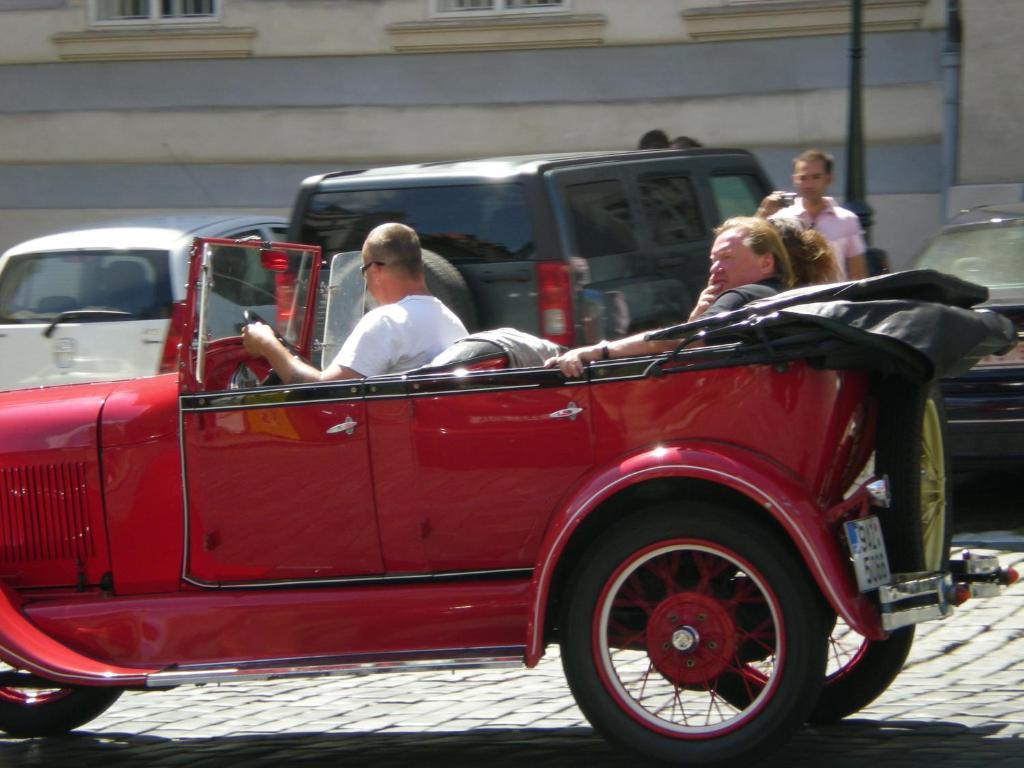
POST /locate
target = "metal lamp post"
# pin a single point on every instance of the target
(855, 197)
(877, 260)
(951, 101)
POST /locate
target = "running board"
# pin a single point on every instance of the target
(915, 597)
(320, 666)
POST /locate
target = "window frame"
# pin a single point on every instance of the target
(501, 8)
(155, 17)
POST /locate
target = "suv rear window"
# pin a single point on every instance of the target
(37, 287)
(463, 223)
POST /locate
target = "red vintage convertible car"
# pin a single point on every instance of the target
(701, 532)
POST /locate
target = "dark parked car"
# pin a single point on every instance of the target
(985, 407)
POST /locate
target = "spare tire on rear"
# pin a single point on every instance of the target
(448, 285)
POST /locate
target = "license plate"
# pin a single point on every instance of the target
(867, 548)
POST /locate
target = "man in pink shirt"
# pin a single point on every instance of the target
(812, 175)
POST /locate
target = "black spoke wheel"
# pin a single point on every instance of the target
(693, 634)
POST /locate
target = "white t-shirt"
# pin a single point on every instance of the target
(399, 337)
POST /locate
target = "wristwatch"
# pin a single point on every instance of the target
(604, 350)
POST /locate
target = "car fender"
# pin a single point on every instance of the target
(24, 646)
(754, 476)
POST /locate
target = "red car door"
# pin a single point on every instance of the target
(277, 479)
(281, 492)
(468, 470)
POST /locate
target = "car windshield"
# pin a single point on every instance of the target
(239, 281)
(38, 287)
(991, 254)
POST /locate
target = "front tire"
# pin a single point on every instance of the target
(675, 612)
(28, 711)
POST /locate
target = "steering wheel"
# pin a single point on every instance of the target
(249, 316)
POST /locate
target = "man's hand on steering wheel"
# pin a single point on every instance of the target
(259, 339)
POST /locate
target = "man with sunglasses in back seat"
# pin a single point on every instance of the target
(406, 331)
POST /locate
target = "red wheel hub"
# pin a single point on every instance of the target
(691, 638)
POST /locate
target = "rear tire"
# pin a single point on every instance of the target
(671, 608)
(859, 671)
(916, 458)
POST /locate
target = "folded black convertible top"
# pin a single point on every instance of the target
(918, 323)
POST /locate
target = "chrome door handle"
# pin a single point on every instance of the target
(570, 412)
(348, 426)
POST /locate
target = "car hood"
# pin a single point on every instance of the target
(51, 418)
(69, 418)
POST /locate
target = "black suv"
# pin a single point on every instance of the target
(572, 247)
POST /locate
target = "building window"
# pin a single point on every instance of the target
(497, 6)
(150, 11)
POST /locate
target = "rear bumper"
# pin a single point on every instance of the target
(915, 597)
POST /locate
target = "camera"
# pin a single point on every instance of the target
(787, 198)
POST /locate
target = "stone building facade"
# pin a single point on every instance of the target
(112, 108)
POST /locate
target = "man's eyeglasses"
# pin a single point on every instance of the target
(369, 264)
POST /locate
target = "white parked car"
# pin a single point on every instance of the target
(99, 304)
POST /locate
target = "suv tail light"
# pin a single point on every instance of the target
(554, 300)
(169, 359)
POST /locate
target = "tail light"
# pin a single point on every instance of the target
(169, 359)
(554, 300)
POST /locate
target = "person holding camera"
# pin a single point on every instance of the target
(812, 175)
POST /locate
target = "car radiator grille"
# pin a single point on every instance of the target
(44, 513)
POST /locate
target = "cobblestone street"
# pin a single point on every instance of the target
(959, 702)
